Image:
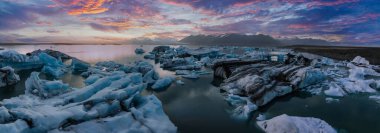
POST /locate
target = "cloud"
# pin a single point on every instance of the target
(179, 21)
(15, 15)
(53, 31)
(79, 7)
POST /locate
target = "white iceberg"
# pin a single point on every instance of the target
(335, 90)
(360, 61)
(293, 124)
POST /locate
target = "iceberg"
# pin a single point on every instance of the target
(44, 88)
(331, 100)
(335, 90)
(375, 98)
(151, 77)
(8, 76)
(360, 61)
(109, 103)
(139, 51)
(182, 72)
(19, 61)
(52, 66)
(53, 53)
(243, 106)
(79, 66)
(162, 83)
(293, 124)
(192, 75)
(180, 82)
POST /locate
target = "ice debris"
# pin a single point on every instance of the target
(8, 76)
(111, 102)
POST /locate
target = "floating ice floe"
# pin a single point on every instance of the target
(261, 117)
(261, 80)
(180, 82)
(335, 90)
(293, 124)
(243, 106)
(44, 88)
(139, 51)
(192, 75)
(52, 66)
(79, 66)
(376, 98)
(8, 76)
(19, 61)
(162, 83)
(331, 100)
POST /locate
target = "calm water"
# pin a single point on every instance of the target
(198, 106)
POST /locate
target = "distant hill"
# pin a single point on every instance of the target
(306, 41)
(232, 39)
(252, 40)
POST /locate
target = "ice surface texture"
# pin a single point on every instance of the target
(293, 124)
(111, 102)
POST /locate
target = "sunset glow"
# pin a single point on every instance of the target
(89, 21)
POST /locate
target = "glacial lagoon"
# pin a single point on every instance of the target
(199, 105)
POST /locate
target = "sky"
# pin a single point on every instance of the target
(94, 21)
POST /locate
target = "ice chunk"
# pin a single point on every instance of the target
(243, 107)
(4, 115)
(19, 61)
(376, 98)
(182, 72)
(335, 90)
(8, 76)
(52, 66)
(139, 51)
(19, 126)
(331, 100)
(151, 77)
(360, 60)
(311, 77)
(193, 75)
(261, 117)
(162, 83)
(92, 79)
(148, 116)
(160, 49)
(293, 124)
(79, 66)
(357, 86)
(150, 56)
(43, 88)
(180, 82)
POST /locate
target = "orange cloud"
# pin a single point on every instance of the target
(78, 7)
